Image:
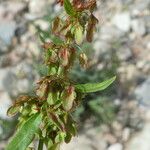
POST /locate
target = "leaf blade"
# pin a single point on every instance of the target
(94, 87)
(25, 134)
(69, 8)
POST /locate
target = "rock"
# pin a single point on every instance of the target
(34, 49)
(116, 126)
(111, 139)
(3, 145)
(122, 21)
(83, 144)
(3, 74)
(116, 146)
(20, 30)
(11, 8)
(44, 25)
(89, 140)
(7, 31)
(138, 7)
(124, 53)
(11, 59)
(140, 140)
(142, 93)
(8, 82)
(131, 73)
(138, 27)
(126, 134)
(108, 33)
(117, 129)
(20, 79)
(17, 79)
(41, 9)
(3, 47)
(5, 103)
(101, 48)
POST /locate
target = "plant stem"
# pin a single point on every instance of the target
(40, 146)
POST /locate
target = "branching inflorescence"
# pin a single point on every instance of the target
(47, 115)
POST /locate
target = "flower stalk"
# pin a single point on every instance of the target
(57, 95)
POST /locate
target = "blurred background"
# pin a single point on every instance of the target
(116, 119)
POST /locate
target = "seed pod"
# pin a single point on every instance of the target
(91, 27)
(84, 19)
(42, 90)
(78, 34)
(13, 110)
(22, 99)
(72, 56)
(52, 97)
(83, 5)
(68, 96)
(64, 56)
(83, 60)
(55, 25)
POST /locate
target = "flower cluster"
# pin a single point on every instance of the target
(47, 114)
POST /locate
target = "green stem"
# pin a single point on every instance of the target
(40, 146)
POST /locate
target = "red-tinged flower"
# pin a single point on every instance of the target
(64, 55)
(81, 5)
(68, 96)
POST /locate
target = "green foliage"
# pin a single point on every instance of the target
(7, 128)
(25, 134)
(57, 95)
(69, 8)
(103, 109)
(90, 88)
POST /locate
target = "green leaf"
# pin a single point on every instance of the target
(60, 137)
(55, 146)
(94, 87)
(69, 8)
(25, 134)
(44, 35)
(56, 40)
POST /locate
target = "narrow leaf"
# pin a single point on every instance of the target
(69, 8)
(25, 134)
(94, 87)
(56, 40)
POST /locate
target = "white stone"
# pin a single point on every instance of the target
(138, 26)
(5, 103)
(7, 29)
(141, 140)
(142, 93)
(126, 134)
(108, 33)
(116, 146)
(3, 74)
(44, 25)
(122, 21)
(89, 140)
(37, 7)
